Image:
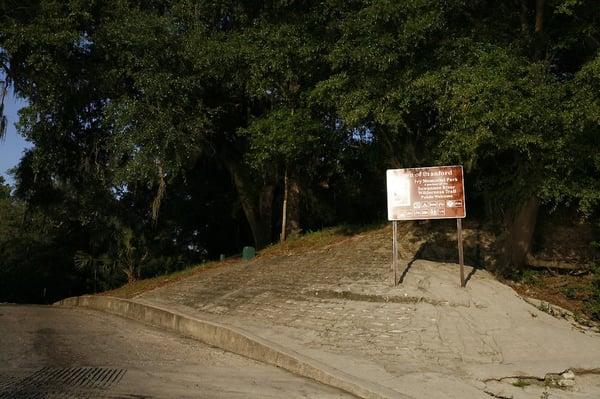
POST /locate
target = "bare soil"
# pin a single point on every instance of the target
(568, 291)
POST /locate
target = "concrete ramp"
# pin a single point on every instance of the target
(427, 338)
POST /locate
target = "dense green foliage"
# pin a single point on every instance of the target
(163, 132)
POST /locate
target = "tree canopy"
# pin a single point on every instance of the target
(167, 132)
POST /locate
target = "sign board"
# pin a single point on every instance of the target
(426, 193)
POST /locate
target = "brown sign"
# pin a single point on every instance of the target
(426, 193)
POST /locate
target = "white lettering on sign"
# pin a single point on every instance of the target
(425, 193)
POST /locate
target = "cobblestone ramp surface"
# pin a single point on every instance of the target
(426, 338)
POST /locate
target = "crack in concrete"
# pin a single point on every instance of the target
(495, 395)
(576, 371)
(521, 377)
(353, 296)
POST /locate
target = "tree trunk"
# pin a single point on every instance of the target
(517, 242)
(252, 204)
(539, 16)
(524, 16)
(293, 205)
(3, 122)
(265, 207)
(283, 234)
(539, 35)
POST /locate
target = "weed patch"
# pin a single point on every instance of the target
(520, 383)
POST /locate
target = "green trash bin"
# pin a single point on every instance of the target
(248, 253)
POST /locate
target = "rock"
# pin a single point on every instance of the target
(566, 383)
(568, 375)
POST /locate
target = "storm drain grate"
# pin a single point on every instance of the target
(55, 382)
(8, 382)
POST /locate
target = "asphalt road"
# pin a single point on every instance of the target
(49, 352)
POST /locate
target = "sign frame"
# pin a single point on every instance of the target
(407, 190)
(413, 189)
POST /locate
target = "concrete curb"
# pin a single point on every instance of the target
(235, 340)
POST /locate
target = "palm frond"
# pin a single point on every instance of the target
(83, 260)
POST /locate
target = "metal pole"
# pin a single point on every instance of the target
(460, 251)
(282, 237)
(395, 250)
(393, 245)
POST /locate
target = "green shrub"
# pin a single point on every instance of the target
(570, 292)
(531, 277)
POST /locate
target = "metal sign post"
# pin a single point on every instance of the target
(395, 250)
(436, 192)
(460, 251)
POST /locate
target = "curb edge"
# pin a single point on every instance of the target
(235, 340)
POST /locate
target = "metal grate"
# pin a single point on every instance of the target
(7, 382)
(55, 382)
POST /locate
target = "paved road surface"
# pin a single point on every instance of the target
(48, 352)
